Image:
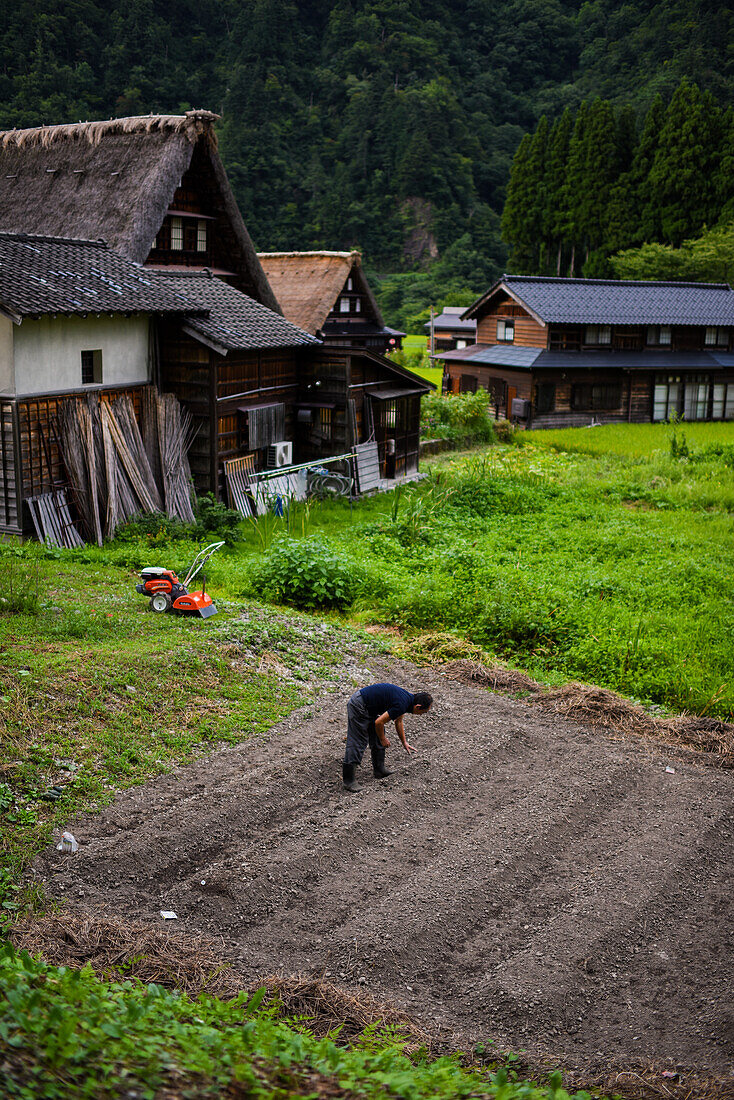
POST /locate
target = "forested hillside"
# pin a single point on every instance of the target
(589, 185)
(389, 125)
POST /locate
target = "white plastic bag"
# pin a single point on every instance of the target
(67, 844)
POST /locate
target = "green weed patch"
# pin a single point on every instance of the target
(65, 1032)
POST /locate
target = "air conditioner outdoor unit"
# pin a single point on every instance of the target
(280, 454)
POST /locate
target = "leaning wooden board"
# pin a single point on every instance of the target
(368, 466)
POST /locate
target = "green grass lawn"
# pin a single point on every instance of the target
(431, 374)
(633, 439)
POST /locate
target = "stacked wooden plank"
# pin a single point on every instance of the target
(175, 435)
(110, 466)
(52, 519)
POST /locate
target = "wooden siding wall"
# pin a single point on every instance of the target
(635, 404)
(25, 468)
(214, 387)
(502, 383)
(185, 371)
(199, 192)
(331, 373)
(528, 333)
(10, 506)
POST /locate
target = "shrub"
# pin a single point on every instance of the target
(215, 520)
(306, 573)
(153, 527)
(462, 418)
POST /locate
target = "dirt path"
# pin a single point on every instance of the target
(523, 880)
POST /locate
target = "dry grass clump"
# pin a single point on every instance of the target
(119, 949)
(595, 706)
(328, 1006)
(648, 1082)
(437, 647)
(497, 679)
(600, 707)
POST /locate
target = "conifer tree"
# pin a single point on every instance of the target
(644, 215)
(518, 209)
(682, 176)
(574, 186)
(555, 213)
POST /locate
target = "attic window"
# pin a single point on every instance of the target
(344, 305)
(177, 234)
(349, 283)
(506, 332)
(357, 305)
(201, 235)
(91, 368)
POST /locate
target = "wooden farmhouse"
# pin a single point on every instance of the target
(327, 294)
(74, 317)
(154, 190)
(451, 331)
(562, 352)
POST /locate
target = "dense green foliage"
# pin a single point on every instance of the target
(462, 418)
(306, 573)
(385, 125)
(608, 565)
(588, 186)
(65, 1032)
(708, 258)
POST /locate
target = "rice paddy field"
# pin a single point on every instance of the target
(633, 439)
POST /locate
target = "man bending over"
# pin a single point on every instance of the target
(368, 712)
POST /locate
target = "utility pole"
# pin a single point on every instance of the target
(433, 342)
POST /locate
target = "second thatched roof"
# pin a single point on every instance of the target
(307, 284)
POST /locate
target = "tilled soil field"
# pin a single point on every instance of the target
(523, 881)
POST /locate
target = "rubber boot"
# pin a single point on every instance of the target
(350, 783)
(378, 763)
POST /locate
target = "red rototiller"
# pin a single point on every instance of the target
(168, 593)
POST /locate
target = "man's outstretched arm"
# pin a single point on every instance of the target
(401, 734)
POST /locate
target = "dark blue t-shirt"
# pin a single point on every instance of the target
(379, 698)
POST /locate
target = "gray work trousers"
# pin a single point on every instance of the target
(360, 731)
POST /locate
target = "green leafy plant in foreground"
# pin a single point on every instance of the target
(65, 1032)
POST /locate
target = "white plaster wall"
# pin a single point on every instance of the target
(48, 351)
(7, 383)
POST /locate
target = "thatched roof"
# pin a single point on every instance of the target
(307, 284)
(232, 320)
(114, 180)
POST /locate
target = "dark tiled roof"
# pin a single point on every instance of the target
(234, 321)
(500, 355)
(609, 302)
(41, 275)
(453, 321)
